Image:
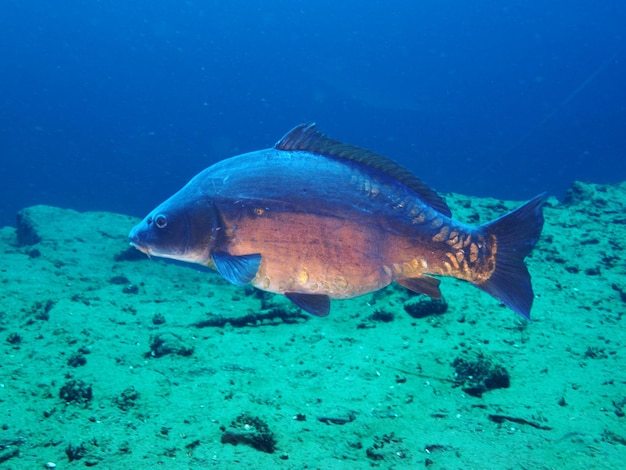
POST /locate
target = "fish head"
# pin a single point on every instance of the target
(184, 229)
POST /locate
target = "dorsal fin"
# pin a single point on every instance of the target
(307, 138)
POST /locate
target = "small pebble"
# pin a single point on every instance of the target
(50, 465)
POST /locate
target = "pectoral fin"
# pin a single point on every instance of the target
(422, 285)
(239, 270)
(315, 304)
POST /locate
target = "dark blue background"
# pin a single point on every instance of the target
(114, 105)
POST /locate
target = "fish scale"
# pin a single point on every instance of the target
(313, 219)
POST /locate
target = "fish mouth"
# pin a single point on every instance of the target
(150, 251)
(135, 241)
(143, 249)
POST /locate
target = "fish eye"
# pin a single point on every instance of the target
(160, 221)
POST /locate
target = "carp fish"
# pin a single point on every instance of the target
(315, 219)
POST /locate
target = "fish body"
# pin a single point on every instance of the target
(315, 219)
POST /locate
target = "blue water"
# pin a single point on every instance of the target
(113, 105)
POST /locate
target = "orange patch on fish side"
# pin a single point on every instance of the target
(442, 234)
(310, 253)
(473, 253)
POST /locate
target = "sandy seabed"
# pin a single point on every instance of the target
(112, 360)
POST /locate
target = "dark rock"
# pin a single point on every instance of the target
(594, 352)
(166, 343)
(158, 319)
(85, 451)
(621, 289)
(75, 452)
(41, 310)
(479, 375)
(14, 339)
(119, 280)
(27, 229)
(127, 399)
(619, 406)
(252, 431)
(381, 315)
(77, 359)
(131, 289)
(388, 448)
(130, 254)
(420, 307)
(76, 391)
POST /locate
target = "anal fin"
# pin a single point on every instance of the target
(315, 304)
(422, 285)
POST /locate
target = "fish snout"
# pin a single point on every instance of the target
(137, 240)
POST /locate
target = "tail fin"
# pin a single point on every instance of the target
(516, 234)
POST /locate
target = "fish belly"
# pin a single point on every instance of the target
(313, 254)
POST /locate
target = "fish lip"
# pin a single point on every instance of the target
(134, 238)
(143, 249)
